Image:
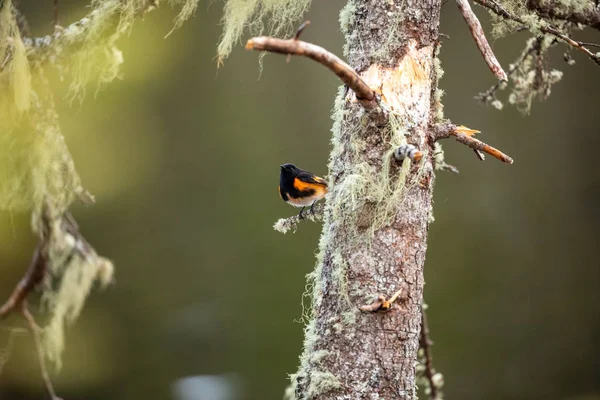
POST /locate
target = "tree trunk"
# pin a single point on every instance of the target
(377, 212)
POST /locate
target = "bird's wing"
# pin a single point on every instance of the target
(310, 178)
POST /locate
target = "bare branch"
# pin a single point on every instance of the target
(480, 39)
(365, 95)
(434, 379)
(497, 8)
(464, 135)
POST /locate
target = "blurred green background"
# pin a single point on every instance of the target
(183, 159)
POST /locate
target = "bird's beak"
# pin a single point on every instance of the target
(282, 167)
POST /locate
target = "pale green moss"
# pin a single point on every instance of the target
(347, 17)
(13, 52)
(321, 383)
(188, 8)
(439, 93)
(67, 300)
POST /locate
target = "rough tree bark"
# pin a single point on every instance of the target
(374, 241)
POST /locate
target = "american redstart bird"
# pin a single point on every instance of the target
(300, 188)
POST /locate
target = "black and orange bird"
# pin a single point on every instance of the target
(300, 188)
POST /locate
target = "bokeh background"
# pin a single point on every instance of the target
(183, 159)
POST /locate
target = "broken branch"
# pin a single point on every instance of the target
(364, 94)
(380, 303)
(464, 135)
(480, 39)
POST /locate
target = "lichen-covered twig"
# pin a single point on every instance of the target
(364, 94)
(439, 160)
(497, 8)
(33, 277)
(586, 14)
(285, 225)
(381, 303)
(489, 95)
(71, 37)
(480, 39)
(17, 302)
(464, 135)
(435, 380)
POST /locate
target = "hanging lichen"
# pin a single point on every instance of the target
(37, 173)
(241, 14)
(12, 48)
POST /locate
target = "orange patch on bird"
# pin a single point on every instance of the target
(317, 187)
(406, 80)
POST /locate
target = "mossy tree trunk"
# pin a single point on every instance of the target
(377, 212)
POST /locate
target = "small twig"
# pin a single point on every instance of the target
(435, 380)
(489, 94)
(55, 19)
(33, 277)
(300, 29)
(497, 8)
(589, 44)
(6, 60)
(7, 351)
(464, 135)
(380, 303)
(18, 299)
(285, 225)
(297, 36)
(36, 331)
(364, 94)
(480, 39)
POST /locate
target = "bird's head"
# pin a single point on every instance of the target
(288, 168)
